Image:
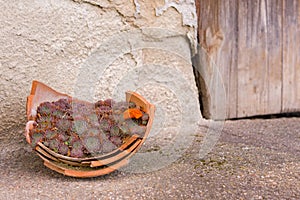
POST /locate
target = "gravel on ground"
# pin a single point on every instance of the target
(253, 159)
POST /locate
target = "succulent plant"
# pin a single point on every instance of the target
(136, 129)
(58, 114)
(46, 143)
(63, 137)
(63, 125)
(80, 126)
(44, 122)
(63, 149)
(115, 131)
(92, 144)
(124, 129)
(45, 109)
(78, 129)
(77, 149)
(77, 144)
(50, 134)
(82, 109)
(103, 109)
(54, 145)
(120, 106)
(92, 120)
(116, 140)
(92, 132)
(105, 125)
(108, 145)
(37, 130)
(99, 103)
(35, 138)
(109, 102)
(76, 153)
(44, 118)
(145, 119)
(132, 105)
(73, 138)
(63, 104)
(130, 123)
(118, 118)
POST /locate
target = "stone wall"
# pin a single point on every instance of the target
(126, 43)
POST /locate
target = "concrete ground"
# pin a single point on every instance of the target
(253, 159)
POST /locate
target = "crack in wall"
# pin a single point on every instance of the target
(106, 6)
(93, 3)
(187, 9)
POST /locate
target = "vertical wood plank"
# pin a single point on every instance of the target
(218, 36)
(291, 56)
(227, 57)
(274, 59)
(252, 51)
(259, 63)
(255, 45)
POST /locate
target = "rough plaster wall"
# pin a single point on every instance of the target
(49, 40)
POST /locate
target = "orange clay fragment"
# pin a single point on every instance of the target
(132, 113)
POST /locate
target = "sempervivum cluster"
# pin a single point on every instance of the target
(80, 129)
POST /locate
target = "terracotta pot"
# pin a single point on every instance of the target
(89, 166)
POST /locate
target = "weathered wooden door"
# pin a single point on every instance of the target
(256, 46)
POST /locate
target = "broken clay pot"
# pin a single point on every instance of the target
(96, 165)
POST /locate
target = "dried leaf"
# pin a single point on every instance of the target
(132, 113)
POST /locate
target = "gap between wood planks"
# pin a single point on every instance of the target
(270, 116)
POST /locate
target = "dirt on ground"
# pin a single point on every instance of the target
(252, 159)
